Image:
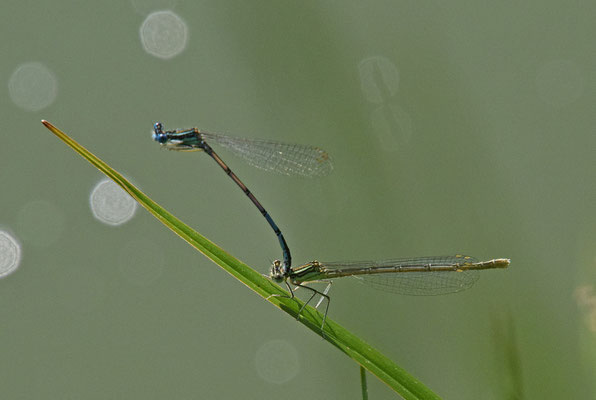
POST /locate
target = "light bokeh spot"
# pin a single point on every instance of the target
(32, 86)
(40, 223)
(277, 361)
(141, 262)
(164, 34)
(110, 204)
(379, 79)
(559, 83)
(10, 254)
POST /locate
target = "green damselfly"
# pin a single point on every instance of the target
(433, 275)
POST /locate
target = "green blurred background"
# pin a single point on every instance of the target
(455, 127)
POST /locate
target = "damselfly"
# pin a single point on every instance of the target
(287, 159)
(413, 276)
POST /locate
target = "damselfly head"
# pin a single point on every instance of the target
(158, 134)
(277, 271)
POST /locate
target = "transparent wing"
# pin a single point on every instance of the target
(282, 158)
(418, 283)
(422, 283)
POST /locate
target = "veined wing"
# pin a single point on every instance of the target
(401, 275)
(282, 158)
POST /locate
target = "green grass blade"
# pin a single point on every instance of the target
(363, 383)
(361, 352)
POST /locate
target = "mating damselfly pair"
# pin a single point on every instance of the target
(413, 276)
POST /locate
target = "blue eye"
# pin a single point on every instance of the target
(160, 137)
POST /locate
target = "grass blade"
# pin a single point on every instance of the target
(361, 352)
(363, 383)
